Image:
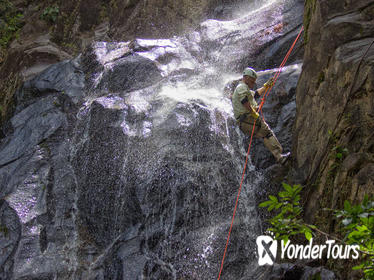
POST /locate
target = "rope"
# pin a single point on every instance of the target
(276, 76)
(266, 93)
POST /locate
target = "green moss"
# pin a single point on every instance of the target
(4, 230)
(70, 47)
(7, 90)
(104, 12)
(348, 118)
(66, 29)
(335, 157)
(50, 14)
(11, 23)
(316, 277)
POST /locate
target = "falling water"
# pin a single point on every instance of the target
(134, 170)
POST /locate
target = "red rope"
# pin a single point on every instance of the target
(276, 76)
(266, 93)
(237, 200)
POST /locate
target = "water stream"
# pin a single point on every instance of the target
(135, 160)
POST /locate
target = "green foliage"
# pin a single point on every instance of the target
(50, 14)
(339, 152)
(316, 277)
(10, 23)
(357, 222)
(288, 219)
(358, 225)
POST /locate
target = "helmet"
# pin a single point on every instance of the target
(250, 72)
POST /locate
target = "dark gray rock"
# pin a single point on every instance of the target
(130, 73)
(31, 126)
(260, 38)
(10, 233)
(65, 77)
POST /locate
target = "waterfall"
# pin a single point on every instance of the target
(125, 162)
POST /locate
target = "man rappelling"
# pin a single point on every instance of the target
(245, 112)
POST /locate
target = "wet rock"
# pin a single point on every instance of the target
(10, 231)
(64, 78)
(125, 163)
(160, 19)
(252, 40)
(131, 73)
(31, 126)
(144, 162)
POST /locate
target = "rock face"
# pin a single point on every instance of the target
(24, 61)
(43, 42)
(279, 111)
(267, 37)
(335, 95)
(335, 105)
(124, 163)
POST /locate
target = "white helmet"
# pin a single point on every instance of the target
(250, 72)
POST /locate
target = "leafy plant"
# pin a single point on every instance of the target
(339, 152)
(11, 21)
(50, 14)
(357, 221)
(358, 226)
(288, 220)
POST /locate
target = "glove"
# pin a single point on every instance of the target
(255, 115)
(269, 83)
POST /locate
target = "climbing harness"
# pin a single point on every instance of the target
(266, 93)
